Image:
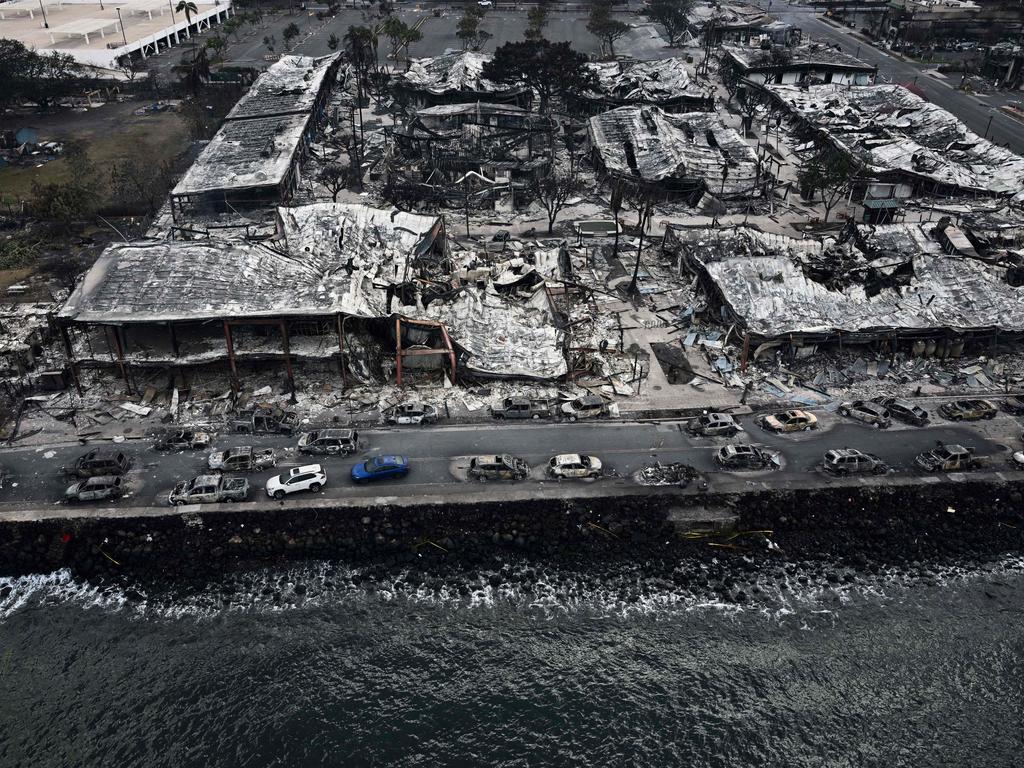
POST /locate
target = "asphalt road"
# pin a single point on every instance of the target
(975, 110)
(35, 477)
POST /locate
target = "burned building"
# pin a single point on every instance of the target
(253, 160)
(664, 83)
(487, 152)
(896, 284)
(809, 63)
(334, 277)
(685, 155)
(898, 137)
(455, 77)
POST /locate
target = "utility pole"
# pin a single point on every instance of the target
(46, 24)
(120, 22)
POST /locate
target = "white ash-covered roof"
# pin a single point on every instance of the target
(291, 85)
(891, 129)
(805, 54)
(453, 71)
(644, 81)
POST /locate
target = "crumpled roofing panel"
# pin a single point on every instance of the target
(457, 71)
(674, 146)
(891, 129)
(761, 281)
(291, 84)
(649, 81)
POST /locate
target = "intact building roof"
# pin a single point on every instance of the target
(888, 128)
(245, 154)
(763, 279)
(657, 146)
(291, 85)
(644, 81)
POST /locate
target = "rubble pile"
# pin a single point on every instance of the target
(666, 474)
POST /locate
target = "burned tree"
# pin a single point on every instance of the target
(335, 178)
(641, 198)
(554, 191)
(829, 173)
(604, 26)
(671, 15)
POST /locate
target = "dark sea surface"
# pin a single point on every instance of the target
(300, 667)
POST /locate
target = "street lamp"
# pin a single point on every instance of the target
(121, 22)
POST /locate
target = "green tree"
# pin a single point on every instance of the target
(536, 20)
(333, 42)
(270, 41)
(829, 173)
(188, 8)
(604, 26)
(218, 45)
(410, 36)
(290, 33)
(16, 67)
(546, 67)
(671, 15)
(139, 184)
(468, 29)
(195, 72)
(73, 198)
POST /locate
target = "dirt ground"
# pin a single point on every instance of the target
(111, 131)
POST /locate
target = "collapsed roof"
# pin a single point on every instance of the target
(289, 86)
(804, 55)
(890, 129)
(454, 71)
(648, 143)
(647, 82)
(765, 281)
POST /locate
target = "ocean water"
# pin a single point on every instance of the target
(304, 666)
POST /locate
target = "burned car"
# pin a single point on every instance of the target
(99, 488)
(99, 462)
(181, 440)
(244, 458)
(949, 458)
(904, 410)
(787, 421)
(574, 465)
(586, 407)
(713, 425)
(411, 413)
(867, 412)
(267, 421)
(209, 489)
(968, 410)
(1014, 405)
(329, 442)
(850, 461)
(498, 467)
(521, 408)
(740, 457)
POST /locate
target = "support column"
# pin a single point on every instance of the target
(287, 356)
(231, 357)
(341, 349)
(120, 359)
(174, 339)
(746, 352)
(71, 357)
(398, 350)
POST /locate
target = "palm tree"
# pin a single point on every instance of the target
(188, 8)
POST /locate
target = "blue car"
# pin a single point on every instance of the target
(380, 468)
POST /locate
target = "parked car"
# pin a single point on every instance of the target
(968, 410)
(739, 457)
(267, 421)
(99, 462)
(521, 408)
(1014, 405)
(949, 458)
(788, 421)
(904, 410)
(380, 468)
(308, 478)
(713, 425)
(411, 413)
(502, 467)
(181, 440)
(574, 465)
(244, 458)
(586, 407)
(210, 489)
(867, 412)
(98, 488)
(329, 442)
(850, 461)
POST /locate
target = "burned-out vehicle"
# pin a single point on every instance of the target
(574, 465)
(521, 408)
(904, 410)
(787, 421)
(209, 489)
(244, 458)
(498, 467)
(267, 421)
(99, 462)
(1014, 405)
(181, 440)
(968, 410)
(850, 461)
(329, 442)
(411, 413)
(99, 488)
(867, 412)
(713, 425)
(947, 457)
(586, 407)
(741, 457)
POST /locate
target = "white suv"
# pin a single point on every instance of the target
(308, 478)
